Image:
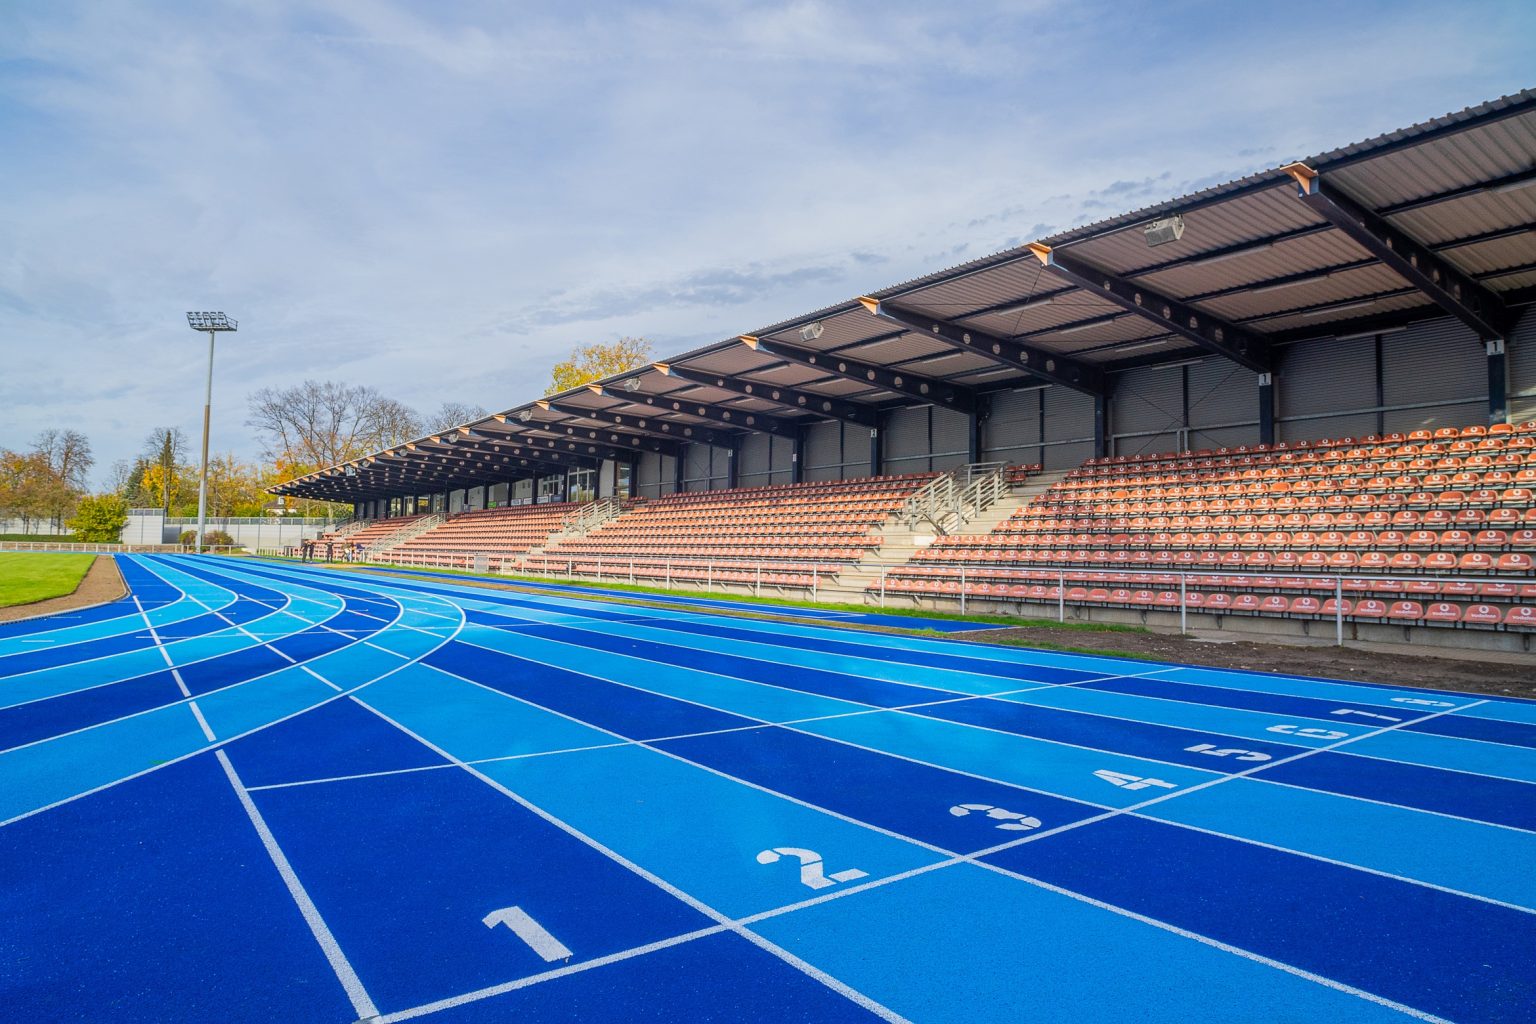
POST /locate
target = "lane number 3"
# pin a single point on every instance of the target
(1008, 821)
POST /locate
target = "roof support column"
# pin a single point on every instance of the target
(678, 461)
(1266, 408)
(1100, 426)
(876, 449)
(797, 458)
(733, 466)
(973, 436)
(1498, 383)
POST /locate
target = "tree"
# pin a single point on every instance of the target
(164, 451)
(594, 362)
(100, 519)
(30, 489)
(321, 423)
(68, 454)
(452, 414)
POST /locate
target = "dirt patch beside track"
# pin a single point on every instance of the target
(101, 583)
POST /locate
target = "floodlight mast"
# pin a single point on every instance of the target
(212, 323)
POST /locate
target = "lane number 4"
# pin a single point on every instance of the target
(1132, 782)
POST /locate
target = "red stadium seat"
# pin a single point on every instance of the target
(1521, 617)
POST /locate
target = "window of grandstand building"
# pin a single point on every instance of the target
(551, 488)
(583, 485)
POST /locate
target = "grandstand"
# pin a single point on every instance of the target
(1304, 402)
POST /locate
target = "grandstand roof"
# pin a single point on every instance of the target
(1432, 220)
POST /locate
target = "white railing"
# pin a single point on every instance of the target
(951, 500)
(1173, 591)
(415, 528)
(1338, 594)
(89, 548)
(590, 516)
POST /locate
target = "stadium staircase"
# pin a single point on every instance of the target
(977, 498)
(379, 548)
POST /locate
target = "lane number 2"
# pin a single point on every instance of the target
(812, 874)
(1008, 821)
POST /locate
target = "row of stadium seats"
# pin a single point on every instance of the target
(505, 531)
(799, 530)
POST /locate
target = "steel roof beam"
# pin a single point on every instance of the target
(742, 419)
(620, 444)
(1436, 277)
(823, 406)
(924, 389)
(1210, 333)
(571, 444)
(646, 423)
(1052, 366)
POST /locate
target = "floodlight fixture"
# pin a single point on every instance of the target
(1161, 232)
(213, 323)
(812, 331)
(632, 384)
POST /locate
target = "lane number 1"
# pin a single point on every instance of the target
(530, 931)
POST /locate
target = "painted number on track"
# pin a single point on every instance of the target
(1308, 732)
(1132, 782)
(1365, 714)
(1213, 750)
(530, 931)
(812, 874)
(1008, 821)
(1419, 702)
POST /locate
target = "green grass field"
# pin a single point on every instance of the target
(46, 538)
(27, 576)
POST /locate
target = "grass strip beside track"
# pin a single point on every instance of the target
(28, 577)
(597, 592)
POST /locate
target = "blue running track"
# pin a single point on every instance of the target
(255, 791)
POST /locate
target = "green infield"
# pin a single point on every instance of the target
(28, 576)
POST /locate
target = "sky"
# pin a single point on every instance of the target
(441, 199)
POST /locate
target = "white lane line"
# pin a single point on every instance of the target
(855, 996)
(181, 684)
(362, 1004)
(951, 858)
(213, 746)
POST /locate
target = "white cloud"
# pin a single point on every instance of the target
(439, 200)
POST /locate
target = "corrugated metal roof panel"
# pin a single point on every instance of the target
(1498, 254)
(948, 364)
(1435, 165)
(1245, 219)
(1386, 304)
(1294, 256)
(1342, 286)
(1022, 279)
(1470, 215)
(894, 350)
